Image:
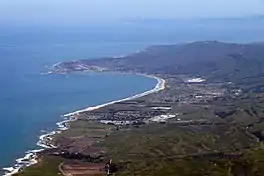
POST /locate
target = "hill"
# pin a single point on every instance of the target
(210, 59)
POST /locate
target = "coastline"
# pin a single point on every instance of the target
(44, 142)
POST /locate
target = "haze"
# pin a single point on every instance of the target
(91, 11)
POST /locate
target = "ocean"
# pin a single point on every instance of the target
(31, 102)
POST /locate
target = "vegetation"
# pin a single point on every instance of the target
(173, 150)
(48, 166)
(246, 165)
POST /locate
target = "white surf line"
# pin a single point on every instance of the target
(159, 86)
(30, 157)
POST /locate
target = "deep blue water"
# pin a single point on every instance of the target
(31, 102)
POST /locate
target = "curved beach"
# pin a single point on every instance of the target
(159, 86)
(45, 140)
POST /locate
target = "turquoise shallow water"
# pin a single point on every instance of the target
(31, 102)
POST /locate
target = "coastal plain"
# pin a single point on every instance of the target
(205, 119)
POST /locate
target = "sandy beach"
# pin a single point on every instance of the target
(159, 86)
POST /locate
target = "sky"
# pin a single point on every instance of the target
(90, 11)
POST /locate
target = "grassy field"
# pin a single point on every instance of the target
(251, 164)
(48, 166)
(166, 149)
(85, 127)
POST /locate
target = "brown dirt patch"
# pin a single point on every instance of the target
(83, 169)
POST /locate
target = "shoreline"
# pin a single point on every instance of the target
(45, 140)
(31, 156)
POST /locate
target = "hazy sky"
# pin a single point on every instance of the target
(85, 11)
